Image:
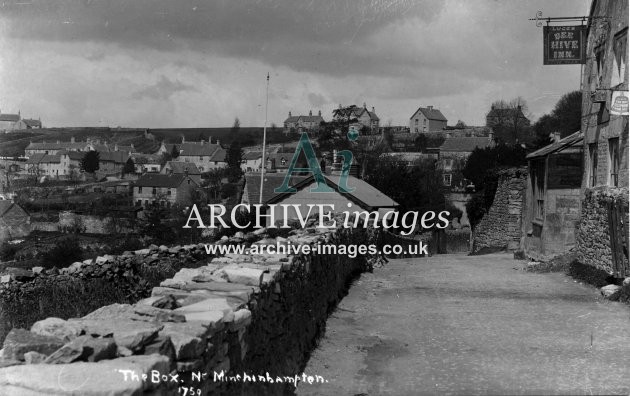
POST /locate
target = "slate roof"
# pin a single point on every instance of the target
(161, 180)
(6, 205)
(32, 123)
(272, 181)
(365, 195)
(183, 167)
(292, 119)
(568, 141)
(465, 144)
(119, 157)
(252, 155)
(10, 117)
(56, 146)
(73, 155)
(196, 149)
(44, 158)
(431, 114)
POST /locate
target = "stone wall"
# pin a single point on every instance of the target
(593, 237)
(500, 228)
(242, 324)
(27, 296)
(92, 224)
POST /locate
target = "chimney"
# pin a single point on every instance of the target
(289, 114)
(373, 110)
(430, 107)
(218, 142)
(319, 113)
(201, 142)
(555, 136)
(209, 139)
(364, 105)
(310, 112)
(340, 106)
(183, 139)
(72, 139)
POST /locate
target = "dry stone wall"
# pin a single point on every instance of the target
(593, 236)
(500, 228)
(242, 324)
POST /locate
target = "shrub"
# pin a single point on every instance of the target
(7, 251)
(65, 252)
(589, 274)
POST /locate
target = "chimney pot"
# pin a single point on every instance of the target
(430, 107)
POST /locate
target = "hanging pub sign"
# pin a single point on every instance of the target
(619, 104)
(564, 45)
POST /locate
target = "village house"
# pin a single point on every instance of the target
(15, 222)
(50, 165)
(551, 211)
(55, 147)
(427, 119)
(602, 240)
(8, 121)
(182, 168)
(252, 161)
(205, 155)
(364, 197)
(146, 163)
(163, 190)
(358, 117)
(27, 123)
(453, 154)
(303, 123)
(112, 162)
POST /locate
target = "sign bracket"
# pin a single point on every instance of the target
(539, 19)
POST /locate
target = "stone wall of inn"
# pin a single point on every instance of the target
(593, 236)
(252, 319)
(500, 228)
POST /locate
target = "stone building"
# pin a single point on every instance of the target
(358, 116)
(182, 168)
(452, 159)
(552, 199)
(303, 123)
(205, 155)
(605, 130)
(427, 119)
(163, 190)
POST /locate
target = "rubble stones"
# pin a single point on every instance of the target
(56, 327)
(20, 341)
(611, 292)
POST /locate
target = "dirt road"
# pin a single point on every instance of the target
(454, 324)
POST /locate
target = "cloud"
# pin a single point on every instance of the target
(316, 100)
(163, 89)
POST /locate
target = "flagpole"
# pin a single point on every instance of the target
(262, 170)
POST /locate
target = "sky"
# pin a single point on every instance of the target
(185, 63)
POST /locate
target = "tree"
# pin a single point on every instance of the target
(164, 158)
(174, 152)
(130, 166)
(509, 121)
(236, 127)
(460, 124)
(565, 119)
(90, 162)
(234, 158)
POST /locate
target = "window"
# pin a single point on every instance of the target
(154, 190)
(448, 164)
(200, 158)
(139, 202)
(139, 190)
(613, 164)
(620, 49)
(592, 158)
(416, 121)
(538, 188)
(169, 192)
(447, 178)
(283, 161)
